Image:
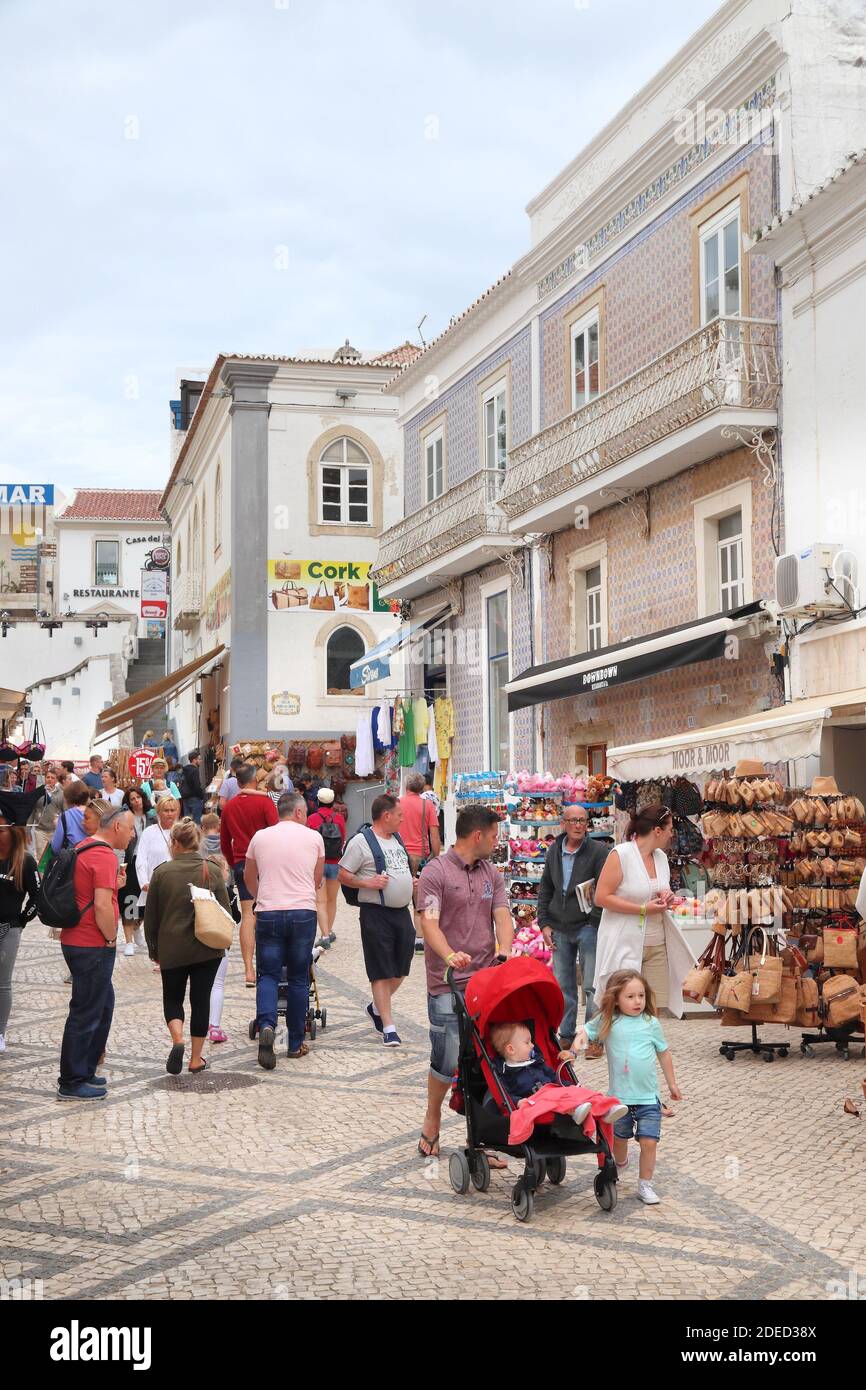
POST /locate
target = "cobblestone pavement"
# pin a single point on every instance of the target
(304, 1182)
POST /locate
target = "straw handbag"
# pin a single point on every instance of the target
(214, 926)
(766, 971)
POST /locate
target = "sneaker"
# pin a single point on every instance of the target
(419, 946)
(581, 1113)
(84, 1091)
(330, 939)
(647, 1193)
(392, 1038)
(2, 1042)
(375, 1019)
(615, 1113)
(97, 1081)
(267, 1056)
(129, 949)
(139, 938)
(216, 1035)
(324, 942)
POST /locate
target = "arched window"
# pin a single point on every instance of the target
(345, 645)
(196, 556)
(345, 485)
(218, 512)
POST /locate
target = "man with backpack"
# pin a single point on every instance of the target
(79, 895)
(332, 828)
(375, 869)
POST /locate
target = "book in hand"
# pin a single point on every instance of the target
(586, 894)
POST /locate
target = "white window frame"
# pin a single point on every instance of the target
(97, 542)
(708, 230)
(708, 512)
(580, 562)
(344, 484)
(488, 591)
(593, 602)
(577, 330)
(736, 587)
(492, 394)
(435, 437)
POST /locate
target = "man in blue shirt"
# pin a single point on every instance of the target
(570, 932)
(93, 778)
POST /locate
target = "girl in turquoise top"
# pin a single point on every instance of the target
(627, 1023)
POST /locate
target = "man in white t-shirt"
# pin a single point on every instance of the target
(284, 867)
(384, 896)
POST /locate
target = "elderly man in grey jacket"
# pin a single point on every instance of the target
(569, 931)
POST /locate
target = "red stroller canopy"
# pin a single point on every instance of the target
(520, 989)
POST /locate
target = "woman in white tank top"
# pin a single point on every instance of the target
(636, 930)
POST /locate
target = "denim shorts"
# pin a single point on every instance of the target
(641, 1122)
(444, 1036)
(332, 871)
(243, 891)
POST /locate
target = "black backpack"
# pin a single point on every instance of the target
(330, 833)
(351, 894)
(56, 903)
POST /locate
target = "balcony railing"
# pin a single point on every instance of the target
(186, 602)
(729, 362)
(466, 512)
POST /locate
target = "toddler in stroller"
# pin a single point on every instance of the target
(524, 995)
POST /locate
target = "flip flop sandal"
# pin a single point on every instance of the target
(250, 984)
(174, 1061)
(194, 1071)
(431, 1143)
(494, 1161)
(301, 1052)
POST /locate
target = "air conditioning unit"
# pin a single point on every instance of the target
(820, 578)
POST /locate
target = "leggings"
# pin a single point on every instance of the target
(217, 994)
(8, 951)
(201, 977)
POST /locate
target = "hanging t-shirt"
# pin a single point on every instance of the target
(365, 763)
(420, 718)
(406, 751)
(383, 726)
(432, 746)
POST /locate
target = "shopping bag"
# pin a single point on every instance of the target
(214, 926)
(840, 947)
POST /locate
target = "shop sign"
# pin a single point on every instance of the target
(709, 756)
(140, 762)
(283, 703)
(105, 593)
(154, 594)
(26, 494)
(146, 540)
(326, 586)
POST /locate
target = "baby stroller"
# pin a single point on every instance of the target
(317, 1017)
(522, 989)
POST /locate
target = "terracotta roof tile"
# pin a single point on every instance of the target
(113, 504)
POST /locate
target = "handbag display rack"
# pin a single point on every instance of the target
(729, 1047)
(823, 865)
(684, 800)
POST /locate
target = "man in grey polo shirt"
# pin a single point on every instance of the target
(570, 932)
(465, 917)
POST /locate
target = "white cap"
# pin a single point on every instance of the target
(325, 795)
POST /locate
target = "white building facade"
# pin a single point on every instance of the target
(289, 471)
(113, 549)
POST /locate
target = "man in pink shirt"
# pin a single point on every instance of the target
(283, 869)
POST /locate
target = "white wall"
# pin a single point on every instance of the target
(29, 654)
(67, 717)
(41, 664)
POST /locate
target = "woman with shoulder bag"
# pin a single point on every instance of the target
(637, 931)
(169, 928)
(19, 885)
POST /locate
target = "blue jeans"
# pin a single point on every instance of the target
(573, 946)
(194, 806)
(284, 939)
(91, 1009)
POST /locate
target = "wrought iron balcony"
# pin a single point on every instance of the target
(186, 603)
(727, 363)
(466, 512)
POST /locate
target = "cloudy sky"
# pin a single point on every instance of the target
(259, 176)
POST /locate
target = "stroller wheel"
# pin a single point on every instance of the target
(458, 1172)
(253, 1029)
(556, 1170)
(311, 1025)
(521, 1200)
(323, 1019)
(480, 1171)
(605, 1192)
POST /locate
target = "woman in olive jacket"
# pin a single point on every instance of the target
(169, 929)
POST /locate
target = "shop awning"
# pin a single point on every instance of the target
(705, 640)
(779, 735)
(375, 664)
(11, 703)
(154, 695)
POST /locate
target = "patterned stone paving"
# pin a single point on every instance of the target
(304, 1182)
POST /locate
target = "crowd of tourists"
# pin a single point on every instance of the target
(135, 862)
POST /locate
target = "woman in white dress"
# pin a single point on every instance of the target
(154, 847)
(637, 932)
